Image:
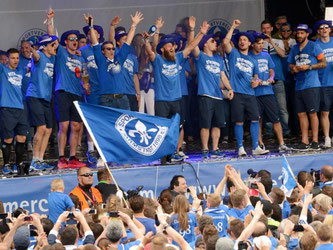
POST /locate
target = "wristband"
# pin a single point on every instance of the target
(310, 67)
(90, 27)
(141, 245)
(191, 30)
(58, 221)
(133, 25)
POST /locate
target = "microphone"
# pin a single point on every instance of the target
(150, 32)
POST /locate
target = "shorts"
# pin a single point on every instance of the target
(244, 107)
(39, 111)
(168, 109)
(326, 98)
(13, 122)
(307, 100)
(211, 112)
(64, 107)
(268, 107)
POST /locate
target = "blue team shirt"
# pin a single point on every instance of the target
(242, 69)
(239, 213)
(167, 78)
(308, 56)
(66, 79)
(265, 63)
(325, 246)
(10, 87)
(183, 80)
(187, 234)
(149, 224)
(87, 53)
(279, 75)
(25, 63)
(41, 81)
(58, 203)
(326, 74)
(209, 70)
(110, 76)
(220, 219)
(131, 67)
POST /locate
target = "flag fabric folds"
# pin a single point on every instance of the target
(288, 178)
(127, 137)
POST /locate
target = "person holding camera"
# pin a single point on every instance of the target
(88, 195)
(326, 176)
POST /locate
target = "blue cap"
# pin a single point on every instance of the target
(120, 34)
(317, 24)
(304, 27)
(166, 39)
(204, 40)
(247, 34)
(66, 34)
(180, 38)
(46, 39)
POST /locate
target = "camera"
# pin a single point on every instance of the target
(316, 174)
(28, 218)
(131, 193)
(103, 206)
(71, 219)
(93, 211)
(114, 214)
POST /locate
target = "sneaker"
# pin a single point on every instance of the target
(14, 169)
(182, 154)
(216, 153)
(7, 169)
(284, 148)
(328, 143)
(204, 154)
(262, 146)
(241, 152)
(76, 163)
(259, 151)
(314, 146)
(91, 157)
(62, 163)
(176, 157)
(47, 166)
(303, 147)
(36, 166)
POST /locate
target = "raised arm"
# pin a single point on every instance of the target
(94, 40)
(50, 27)
(189, 48)
(227, 39)
(125, 218)
(278, 50)
(34, 55)
(115, 21)
(159, 24)
(190, 36)
(136, 19)
(149, 49)
(222, 183)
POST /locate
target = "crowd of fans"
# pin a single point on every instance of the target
(216, 82)
(238, 215)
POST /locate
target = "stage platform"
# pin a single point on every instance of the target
(31, 192)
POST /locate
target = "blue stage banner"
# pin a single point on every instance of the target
(32, 193)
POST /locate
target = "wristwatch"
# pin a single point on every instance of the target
(310, 67)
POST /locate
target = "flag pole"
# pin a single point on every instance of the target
(77, 106)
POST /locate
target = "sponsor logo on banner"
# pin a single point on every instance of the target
(31, 36)
(144, 140)
(221, 25)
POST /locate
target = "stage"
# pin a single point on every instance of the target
(31, 192)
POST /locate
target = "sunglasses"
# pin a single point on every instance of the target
(73, 39)
(87, 175)
(110, 49)
(324, 27)
(285, 30)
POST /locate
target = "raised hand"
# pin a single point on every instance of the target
(50, 14)
(159, 23)
(86, 18)
(191, 22)
(137, 18)
(115, 21)
(236, 23)
(204, 27)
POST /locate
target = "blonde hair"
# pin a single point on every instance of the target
(214, 200)
(57, 184)
(181, 208)
(323, 201)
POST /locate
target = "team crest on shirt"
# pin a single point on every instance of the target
(128, 64)
(219, 25)
(15, 79)
(73, 63)
(302, 59)
(213, 67)
(144, 138)
(169, 70)
(91, 62)
(115, 68)
(49, 69)
(328, 54)
(262, 65)
(31, 36)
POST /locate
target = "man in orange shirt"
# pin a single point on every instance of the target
(88, 195)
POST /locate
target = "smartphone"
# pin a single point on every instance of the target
(254, 186)
(103, 206)
(28, 218)
(242, 245)
(157, 222)
(93, 211)
(3, 216)
(113, 214)
(8, 220)
(89, 21)
(298, 228)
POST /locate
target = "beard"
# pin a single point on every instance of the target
(300, 40)
(170, 56)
